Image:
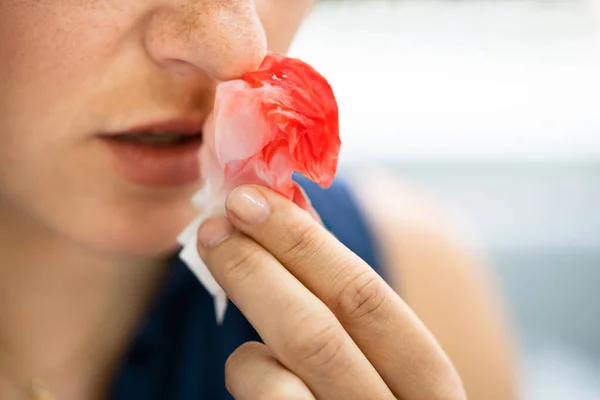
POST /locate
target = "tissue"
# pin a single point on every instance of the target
(277, 120)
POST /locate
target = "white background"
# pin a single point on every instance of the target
(494, 108)
(461, 80)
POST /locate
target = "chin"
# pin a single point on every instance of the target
(124, 243)
(129, 231)
(138, 249)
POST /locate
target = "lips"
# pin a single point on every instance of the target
(163, 154)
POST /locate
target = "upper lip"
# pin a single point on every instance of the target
(180, 126)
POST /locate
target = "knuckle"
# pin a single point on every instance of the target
(301, 242)
(315, 341)
(237, 268)
(362, 297)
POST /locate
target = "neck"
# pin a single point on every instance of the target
(62, 306)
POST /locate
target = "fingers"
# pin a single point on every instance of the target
(394, 340)
(296, 326)
(252, 373)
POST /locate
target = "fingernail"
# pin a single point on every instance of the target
(214, 231)
(248, 204)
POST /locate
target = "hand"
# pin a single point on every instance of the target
(332, 328)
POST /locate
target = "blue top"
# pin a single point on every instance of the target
(179, 352)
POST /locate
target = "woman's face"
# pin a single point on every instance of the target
(72, 71)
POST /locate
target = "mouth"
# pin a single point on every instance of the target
(158, 138)
(158, 155)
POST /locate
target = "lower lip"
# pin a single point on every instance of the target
(158, 166)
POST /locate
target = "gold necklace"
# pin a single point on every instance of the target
(38, 391)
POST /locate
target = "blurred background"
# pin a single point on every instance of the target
(494, 108)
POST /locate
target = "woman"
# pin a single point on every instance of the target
(100, 104)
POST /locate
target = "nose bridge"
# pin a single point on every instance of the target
(223, 38)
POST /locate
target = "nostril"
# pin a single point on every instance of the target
(237, 63)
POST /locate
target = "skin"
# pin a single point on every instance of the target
(82, 250)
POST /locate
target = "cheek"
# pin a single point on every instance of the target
(281, 20)
(49, 53)
(52, 55)
(49, 40)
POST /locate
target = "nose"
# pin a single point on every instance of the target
(225, 39)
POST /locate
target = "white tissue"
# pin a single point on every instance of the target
(189, 254)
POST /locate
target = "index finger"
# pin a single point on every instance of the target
(391, 336)
(300, 330)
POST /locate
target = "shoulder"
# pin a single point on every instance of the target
(408, 224)
(442, 280)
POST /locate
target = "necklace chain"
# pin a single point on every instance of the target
(38, 391)
(34, 389)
